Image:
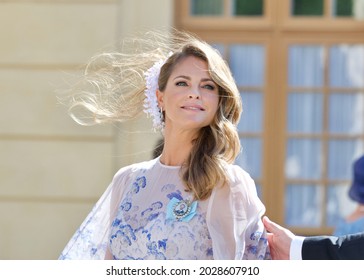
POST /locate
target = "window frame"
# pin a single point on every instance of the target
(276, 30)
(226, 21)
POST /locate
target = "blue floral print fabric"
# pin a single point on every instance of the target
(142, 215)
(142, 230)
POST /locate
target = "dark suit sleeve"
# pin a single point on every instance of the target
(348, 247)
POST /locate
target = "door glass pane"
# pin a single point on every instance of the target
(339, 204)
(252, 117)
(251, 157)
(307, 7)
(346, 113)
(303, 205)
(248, 7)
(342, 8)
(342, 153)
(247, 64)
(346, 66)
(303, 159)
(206, 7)
(304, 112)
(305, 68)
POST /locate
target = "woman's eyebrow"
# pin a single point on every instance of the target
(189, 78)
(207, 80)
(182, 76)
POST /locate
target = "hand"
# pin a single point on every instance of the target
(279, 240)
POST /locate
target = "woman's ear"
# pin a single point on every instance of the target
(160, 96)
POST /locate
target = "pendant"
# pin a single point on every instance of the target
(181, 209)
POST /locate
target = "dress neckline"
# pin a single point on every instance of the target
(167, 166)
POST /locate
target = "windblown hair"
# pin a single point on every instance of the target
(117, 94)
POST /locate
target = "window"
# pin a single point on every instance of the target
(325, 114)
(230, 7)
(307, 7)
(339, 8)
(299, 65)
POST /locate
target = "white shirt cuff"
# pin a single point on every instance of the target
(295, 251)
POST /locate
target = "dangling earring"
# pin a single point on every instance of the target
(161, 116)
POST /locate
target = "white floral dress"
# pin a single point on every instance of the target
(137, 218)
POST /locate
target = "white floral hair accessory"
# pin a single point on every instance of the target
(150, 102)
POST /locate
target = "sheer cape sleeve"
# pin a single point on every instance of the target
(234, 219)
(90, 241)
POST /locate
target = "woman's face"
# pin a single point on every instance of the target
(190, 99)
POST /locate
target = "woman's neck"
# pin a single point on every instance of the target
(177, 148)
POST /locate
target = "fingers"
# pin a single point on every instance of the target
(271, 247)
(279, 239)
(271, 226)
(268, 224)
(270, 237)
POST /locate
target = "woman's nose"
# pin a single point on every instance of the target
(194, 93)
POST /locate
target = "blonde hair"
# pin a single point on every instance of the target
(117, 94)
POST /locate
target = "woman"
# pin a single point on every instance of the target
(191, 202)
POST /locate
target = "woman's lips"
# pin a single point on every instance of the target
(193, 107)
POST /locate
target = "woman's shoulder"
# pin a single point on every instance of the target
(133, 169)
(237, 175)
(240, 191)
(239, 181)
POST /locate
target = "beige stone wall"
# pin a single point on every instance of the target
(52, 170)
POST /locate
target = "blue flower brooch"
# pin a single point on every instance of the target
(181, 209)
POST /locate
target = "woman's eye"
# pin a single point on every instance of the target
(209, 87)
(181, 84)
